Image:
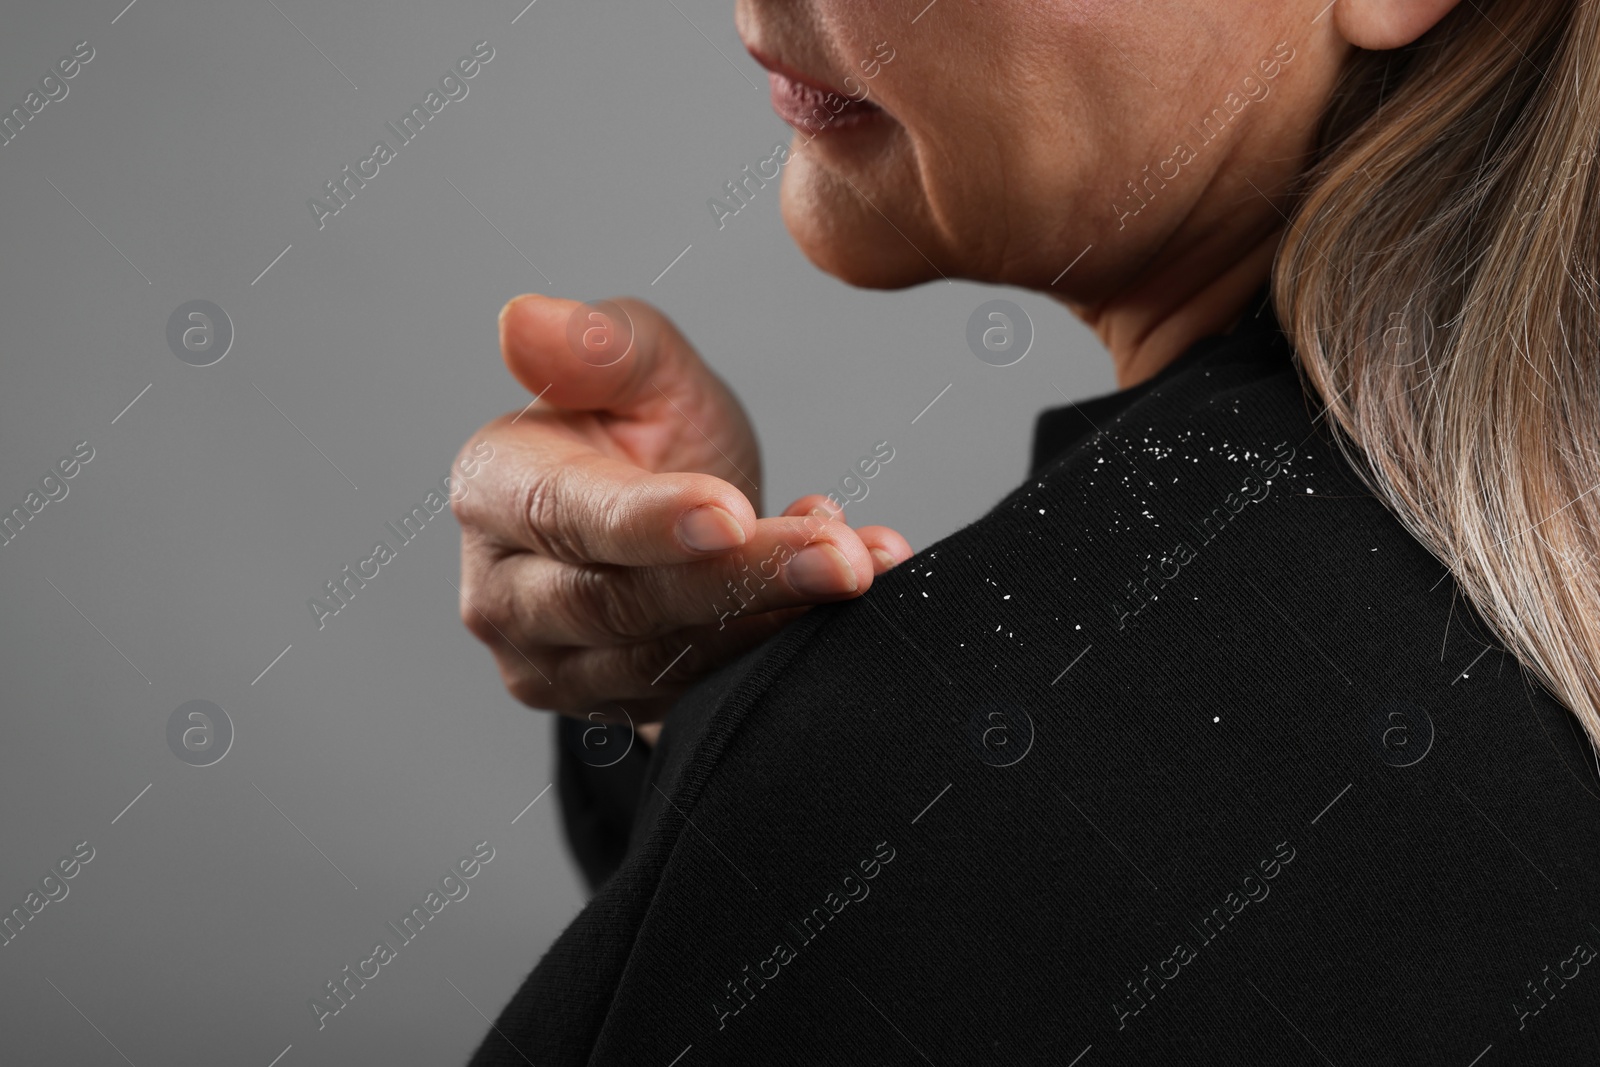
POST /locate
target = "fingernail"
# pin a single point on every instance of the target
(709, 529)
(885, 561)
(821, 570)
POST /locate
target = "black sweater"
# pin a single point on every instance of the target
(1186, 753)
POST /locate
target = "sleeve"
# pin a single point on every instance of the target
(600, 774)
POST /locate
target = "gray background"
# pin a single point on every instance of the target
(193, 539)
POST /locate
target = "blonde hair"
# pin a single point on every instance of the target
(1439, 282)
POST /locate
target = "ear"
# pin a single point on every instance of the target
(1384, 24)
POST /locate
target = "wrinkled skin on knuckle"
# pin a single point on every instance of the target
(546, 500)
(596, 600)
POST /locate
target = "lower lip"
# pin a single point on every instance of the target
(817, 111)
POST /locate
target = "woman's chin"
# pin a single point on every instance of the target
(852, 199)
(854, 243)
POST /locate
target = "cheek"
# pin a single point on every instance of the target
(1012, 126)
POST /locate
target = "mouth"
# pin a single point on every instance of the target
(812, 106)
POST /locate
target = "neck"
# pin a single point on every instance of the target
(1152, 322)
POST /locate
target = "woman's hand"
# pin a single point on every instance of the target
(611, 552)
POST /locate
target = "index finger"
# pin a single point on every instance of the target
(559, 498)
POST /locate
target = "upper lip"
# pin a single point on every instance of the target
(779, 67)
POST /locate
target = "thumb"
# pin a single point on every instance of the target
(601, 355)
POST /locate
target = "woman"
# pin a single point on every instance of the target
(1188, 751)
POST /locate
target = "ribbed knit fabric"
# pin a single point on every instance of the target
(1186, 753)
